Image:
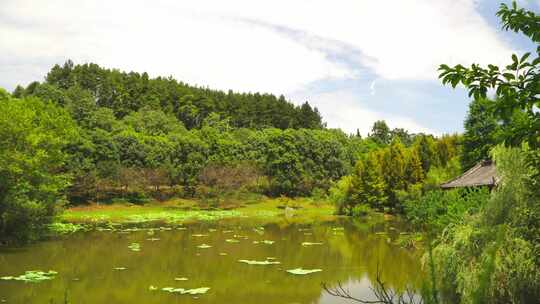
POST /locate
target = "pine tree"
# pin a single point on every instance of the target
(393, 168)
(414, 171)
(481, 132)
(368, 185)
(380, 132)
(426, 149)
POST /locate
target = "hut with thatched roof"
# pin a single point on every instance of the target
(483, 174)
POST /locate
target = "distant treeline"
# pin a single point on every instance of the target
(125, 93)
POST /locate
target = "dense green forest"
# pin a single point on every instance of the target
(89, 85)
(107, 149)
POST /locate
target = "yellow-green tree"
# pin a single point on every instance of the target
(393, 169)
(367, 183)
(414, 171)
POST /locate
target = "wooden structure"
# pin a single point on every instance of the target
(483, 174)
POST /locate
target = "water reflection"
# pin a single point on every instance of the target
(350, 253)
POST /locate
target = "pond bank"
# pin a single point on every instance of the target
(180, 210)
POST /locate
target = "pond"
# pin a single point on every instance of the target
(238, 260)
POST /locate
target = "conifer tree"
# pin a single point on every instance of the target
(368, 185)
(414, 171)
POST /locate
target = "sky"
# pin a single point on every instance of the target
(357, 61)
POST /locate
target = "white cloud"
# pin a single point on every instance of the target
(199, 41)
(345, 111)
(372, 88)
(277, 46)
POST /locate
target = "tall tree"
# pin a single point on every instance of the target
(482, 132)
(367, 184)
(380, 132)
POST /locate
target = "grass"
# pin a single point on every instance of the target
(181, 210)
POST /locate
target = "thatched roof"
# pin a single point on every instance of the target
(483, 174)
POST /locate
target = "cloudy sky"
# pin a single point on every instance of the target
(356, 60)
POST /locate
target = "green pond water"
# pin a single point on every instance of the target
(134, 266)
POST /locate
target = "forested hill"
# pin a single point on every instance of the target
(125, 93)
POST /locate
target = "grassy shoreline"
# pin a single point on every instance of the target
(181, 211)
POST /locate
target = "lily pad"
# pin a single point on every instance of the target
(300, 271)
(32, 276)
(180, 279)
(251, 262)
(306, 244)
(195, 291)
(135, 247)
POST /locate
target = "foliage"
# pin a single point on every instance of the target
(516, 85)
(368, 186)
(438, 209)
(493, 256)
(482, 132)
(126, 93)
(33, 135)
(361, 210)
(386, 177)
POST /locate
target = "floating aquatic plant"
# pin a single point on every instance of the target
(251, 262)
(306, 244)
(32, 276)
(204, 246)
(300, 271)
(195, 291)
(135, 247)
(232, 241)
(267, 242)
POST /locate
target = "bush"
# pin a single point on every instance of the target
(361, 210)
(494, 256)
(437, 209)
(339, 195)
(33, 135)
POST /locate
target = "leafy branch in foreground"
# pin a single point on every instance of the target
(516, 86)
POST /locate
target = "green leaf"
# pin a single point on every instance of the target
(524, 57)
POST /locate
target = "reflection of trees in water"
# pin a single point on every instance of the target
(365, 250)
(90, 258)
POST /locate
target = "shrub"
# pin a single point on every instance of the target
(33, 135)
(361, 210)
(493, 257)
